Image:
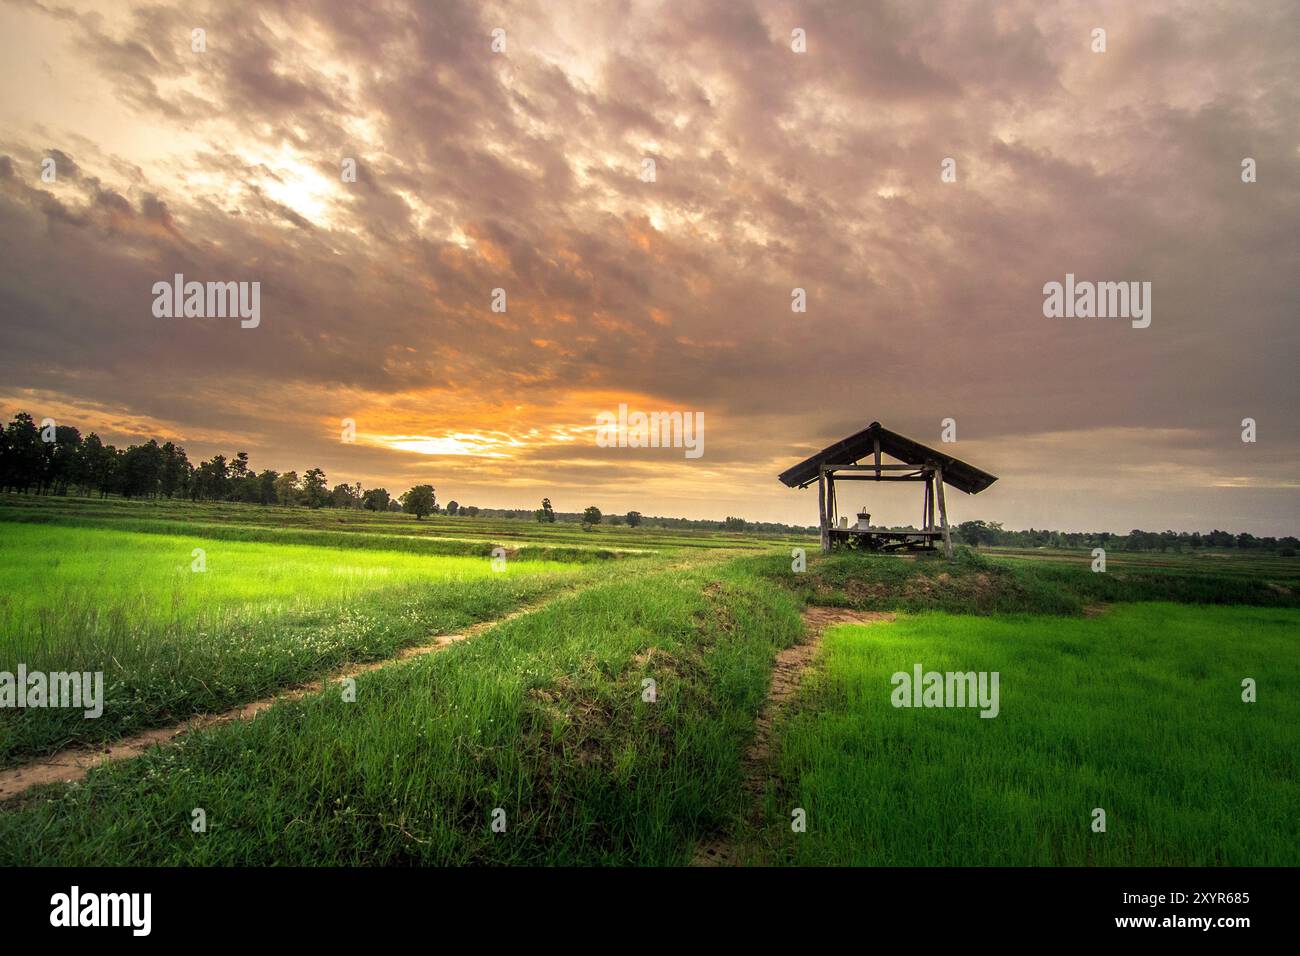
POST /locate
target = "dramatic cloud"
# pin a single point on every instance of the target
(523, 170)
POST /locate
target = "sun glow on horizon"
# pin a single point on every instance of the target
(460, 443)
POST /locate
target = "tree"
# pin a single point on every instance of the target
(315, 493)
(266, 487)
(286, 488)
(212, 479)
(471, 510)
(141, 470)
(64, 459)
(453, 506)
(175, 470)
(734, 524)
(973, 532)
(633, 519)
(344, 496)
(375, 499)
(545, 514)
(419, 501)
(590, 518)
(98, 465)
(22, 453)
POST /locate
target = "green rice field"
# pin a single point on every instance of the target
(607, 710)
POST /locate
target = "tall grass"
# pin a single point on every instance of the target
(1138, 712)
(543, 717)
(974, 583)
(172, 642)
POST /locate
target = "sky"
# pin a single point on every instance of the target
(920, 170)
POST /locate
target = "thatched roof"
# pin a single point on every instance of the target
(851, 450)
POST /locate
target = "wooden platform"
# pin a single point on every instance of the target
(885, 539)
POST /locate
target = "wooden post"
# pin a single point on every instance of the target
(943, 512)
(821, 511)
(927, 509)
(876, 443)
(832, 506)
(930, 481)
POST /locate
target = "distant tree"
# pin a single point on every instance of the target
(22, 453)
(974, 532)
(633, 519)
(453, 506)
(394, 506)
(141, 470)
(239, 466)
(175, 470)
(212, 479)
(545, 514)
(64, 459)
(590, 518)
(375, 499)
(344, 496)
(247, 490)
(266, 487)
(314, 489)
(286, 488)
(471, 510)
(99, 465)
(419, 501)
(734, 524)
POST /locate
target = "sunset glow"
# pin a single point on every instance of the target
(525, 171)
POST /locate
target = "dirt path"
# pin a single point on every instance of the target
(787, 674)
(72, 764)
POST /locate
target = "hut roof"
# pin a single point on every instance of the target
(851, 450)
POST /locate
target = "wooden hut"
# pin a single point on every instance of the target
(912, 462)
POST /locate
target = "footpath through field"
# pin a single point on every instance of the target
(73, 763)
(787, 674)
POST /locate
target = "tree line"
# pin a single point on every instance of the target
(51, 459)
(992, 533)
(56, 460)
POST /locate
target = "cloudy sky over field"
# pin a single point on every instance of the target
(523, 170)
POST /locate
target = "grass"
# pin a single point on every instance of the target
(49, 575)
(542, 717)
(1137, 711)
(974, 583)
(360, 528)
(172, 642)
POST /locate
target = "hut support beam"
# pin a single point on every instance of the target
(821, 512)
(943, 512)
